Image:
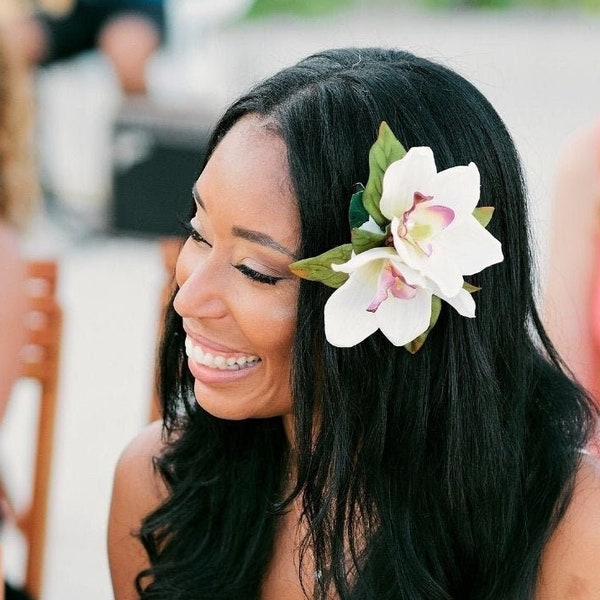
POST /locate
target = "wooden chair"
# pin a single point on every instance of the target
(169, 248)
(40, 362)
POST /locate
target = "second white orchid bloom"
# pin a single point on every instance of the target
(384, 293)
(432, 223)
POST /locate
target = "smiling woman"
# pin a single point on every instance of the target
(237, 297)
(410, 435)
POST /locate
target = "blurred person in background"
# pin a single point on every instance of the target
(17, 194)
(388, 435)
(128, 32)
(572, 294)
(76, 109)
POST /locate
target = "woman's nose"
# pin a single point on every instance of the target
(202, 288)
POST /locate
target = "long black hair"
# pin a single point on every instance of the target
(438, 475)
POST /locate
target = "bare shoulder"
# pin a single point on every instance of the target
(137, 491)
(136, 464)
(570, 561)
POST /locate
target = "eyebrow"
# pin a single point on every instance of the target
(261, 238)
(248, 234)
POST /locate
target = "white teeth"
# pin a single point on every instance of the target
(196, 353)
(218, 361)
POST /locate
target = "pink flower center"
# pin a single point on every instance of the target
(391, 282)
(420, 223)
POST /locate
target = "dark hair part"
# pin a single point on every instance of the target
(431, 476)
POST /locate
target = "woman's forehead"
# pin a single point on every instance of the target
(250, 154)
(246, 181)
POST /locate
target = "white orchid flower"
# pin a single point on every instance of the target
(415, 234)
(432, 223)
(435, 240)
(382, 292)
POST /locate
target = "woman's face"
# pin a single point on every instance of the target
(237, 297)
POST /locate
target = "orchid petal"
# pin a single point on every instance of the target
(463, 303)
(401, 321)
(437, 267)
(470, 246)
(360, 260)
(408, 251)
(405, 177)
(381, 294)
(427, 220)
(411, 276)
(348, 305)
(391, 282)
(402, 290)
(371, 226)
(443, 271)
(456, 188)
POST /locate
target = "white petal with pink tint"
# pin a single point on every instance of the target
(359, 260)
(347, 320)
(362, 305)
(402, 321)
(470, 246)
(462, 303)
(457, 188)
(403, 178)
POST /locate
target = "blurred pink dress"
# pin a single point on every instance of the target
(572, 296)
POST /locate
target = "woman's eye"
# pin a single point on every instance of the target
(257, 276)
(197, 237)
(193, 233)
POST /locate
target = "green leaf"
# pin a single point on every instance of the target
(386, 150)
(436, 307)
(484, 214)
(357, 213)
(318, 268)
(470, 288)
(365, 240)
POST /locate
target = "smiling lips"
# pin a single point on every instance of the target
(222, 362)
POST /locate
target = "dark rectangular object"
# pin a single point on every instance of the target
(157, 156)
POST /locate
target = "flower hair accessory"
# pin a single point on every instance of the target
(415, 233)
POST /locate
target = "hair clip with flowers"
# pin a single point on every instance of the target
(415, 233)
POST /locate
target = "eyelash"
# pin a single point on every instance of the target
(192, 233)
(256, 276)
(243, 269)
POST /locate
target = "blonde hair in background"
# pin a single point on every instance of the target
(10, 9)
(19, 191)
(57, 7)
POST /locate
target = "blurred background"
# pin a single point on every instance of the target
(116, 165)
